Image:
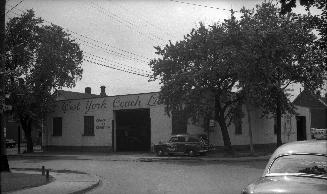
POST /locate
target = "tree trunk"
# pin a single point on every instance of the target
(225, 134)
(250, 127)
(220, 117)
(27, 128)
(279, 124)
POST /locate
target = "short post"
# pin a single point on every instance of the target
(18, 139)
(47, 175)
(43, 170)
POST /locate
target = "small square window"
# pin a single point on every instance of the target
(88, 125)
(57, 126)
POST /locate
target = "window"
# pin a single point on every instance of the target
(88, 125)
(238, 120)
(181, 139)
(193, 139)
(177, 139)
(57, 126)
(238, 127)
(302, 163)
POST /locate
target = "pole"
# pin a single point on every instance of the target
(18, 139)
(3, 157)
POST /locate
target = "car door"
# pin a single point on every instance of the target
(172, 145)
(181, 144)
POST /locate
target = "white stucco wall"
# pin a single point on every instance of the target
(262, 128)
(72, 113)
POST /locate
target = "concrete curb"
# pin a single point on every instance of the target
(88, 188)
(142, 158)
(64, 181)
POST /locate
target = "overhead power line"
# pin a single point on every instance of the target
(106, 44)
(157, 28)
(125, 23)
(111, 64)
(200, 5)
(126, 54)
(14, 6)
(92, 45)
(102, 59)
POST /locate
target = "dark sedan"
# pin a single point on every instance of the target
(182, 144)
(297, 167)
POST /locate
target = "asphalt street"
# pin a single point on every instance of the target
(157, 177)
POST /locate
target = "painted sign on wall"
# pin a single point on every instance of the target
(118, 102)
(101, 124)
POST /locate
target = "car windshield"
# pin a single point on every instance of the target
(300, 164)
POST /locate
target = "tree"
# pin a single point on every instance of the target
(278, 50)
(198, 74)
(43, 58)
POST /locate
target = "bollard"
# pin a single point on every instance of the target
(47, 175)
(43, 170)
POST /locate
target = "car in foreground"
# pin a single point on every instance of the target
(10, 143)
(184, 144)
(294, 168)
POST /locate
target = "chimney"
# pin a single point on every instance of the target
(103, 91)
(87, 90)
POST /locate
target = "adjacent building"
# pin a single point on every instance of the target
(317, 106)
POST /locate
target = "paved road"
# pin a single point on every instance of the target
(163, 177)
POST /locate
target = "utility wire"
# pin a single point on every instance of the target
(107, 60)
(92, 45)
(147, 22)
(199, 5)
(126, 23)
(125, 51)
(132, 24)
(14, 6)
(137, 57)
(113, 65)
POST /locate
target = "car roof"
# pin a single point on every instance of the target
(179, 135)
(299, 147)
(309, 146)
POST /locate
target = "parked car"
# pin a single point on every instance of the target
(182, 144)
(298, 167)
(319, 134)
(10, 143)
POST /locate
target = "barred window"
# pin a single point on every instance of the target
(238, 120)
(238, 126)
(88, 125)
(57, 126)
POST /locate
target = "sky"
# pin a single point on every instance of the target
(119, 36)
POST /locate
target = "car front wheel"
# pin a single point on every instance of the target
(191, 153)
(160, 152)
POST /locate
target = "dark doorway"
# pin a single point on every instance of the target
(133, 130)
(301, 128)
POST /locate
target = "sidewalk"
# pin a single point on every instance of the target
(62, 182)
(67, 181)
(141, 157)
